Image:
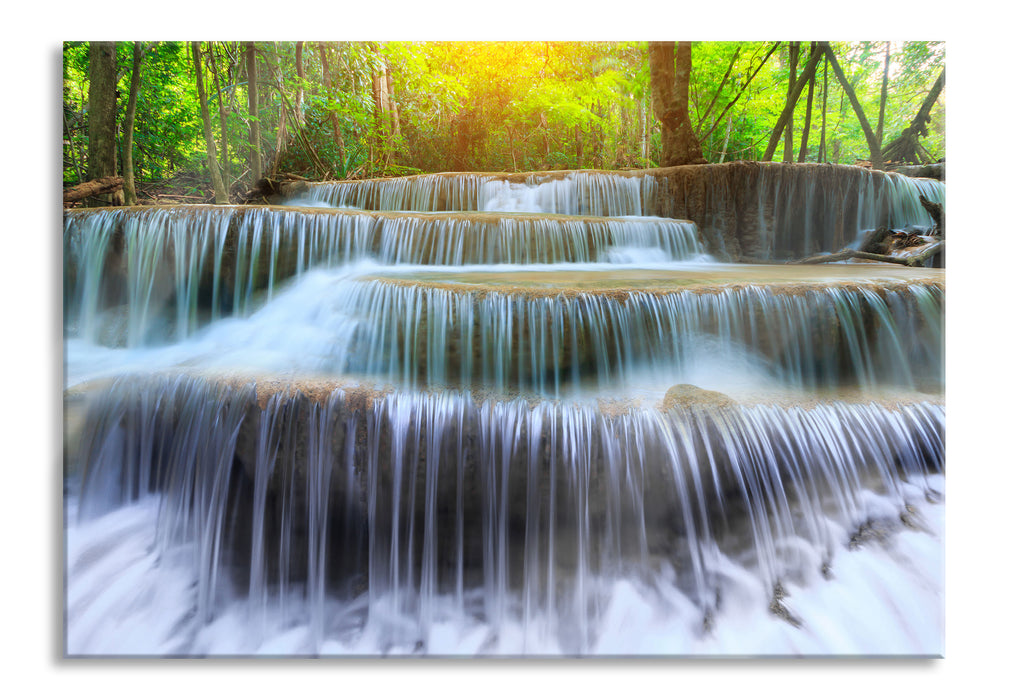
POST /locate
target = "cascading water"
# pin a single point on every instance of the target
(168, 267)
(767, 210)
(310, 431)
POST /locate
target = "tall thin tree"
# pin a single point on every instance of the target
(793, 63)
(882, 95)
(222, 111)
(255, 141)
(746, 84)
(821, 154)
(299, 68)
(129, 186)
(810, 97)
(330, 87)
(220, 194)
(793, 97)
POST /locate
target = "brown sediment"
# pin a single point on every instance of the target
(617, 285)
(362, 394)
(178, 210)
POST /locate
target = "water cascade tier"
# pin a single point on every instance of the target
(177, 267)
(436, 505)
(543, 413)
(744, 209)
(541, 331)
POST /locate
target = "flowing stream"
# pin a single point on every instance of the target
(478, 415)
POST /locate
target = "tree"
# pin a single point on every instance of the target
(491, 106)
(102, 115)
(255, 141)
(329, 88)
(906, 146)
(129, 186)
(751, 75)
(882, 95)
(870, 138)
(670, 70)
(299, 66)
(222, 110)
(810, 95)
(793, 97)
(793, 63)
(220, 193)
(821, 153)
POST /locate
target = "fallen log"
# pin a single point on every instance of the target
(102, 185)
(935, 171)
(916, 260)
(268, 188)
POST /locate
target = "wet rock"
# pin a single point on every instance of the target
(690, 396)
(777, 607)
(878, 531)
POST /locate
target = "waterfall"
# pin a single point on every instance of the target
(175, 268)
(593, 494)
(494, 414)
(435, 334)
(456, 192)
(768, 210)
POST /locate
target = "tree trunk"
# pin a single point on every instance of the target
(220, 194)
(793, 97)
(670, 65)
(882, 95)
(391, 101)
(821, 154)
(810, 96)
(299, 98)
(380, 108)
(578, 148)
(725, 143)
(718, 91)
(916, 260)
(104, 185)
(906, 145)
(793, 62)
(870, 138)
(73, 150)
(129, 188)
(102, 115)
(222, 110)
(255, 142)
(511, 147)
(922, 118)
(739, 94)
(392, 153)
(646, 127)
(327, 79)
(595, 132)
(278, 81)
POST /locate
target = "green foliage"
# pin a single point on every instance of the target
(498, 106)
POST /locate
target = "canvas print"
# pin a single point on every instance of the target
(536, 349)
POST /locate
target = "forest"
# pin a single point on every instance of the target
(206, 121)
